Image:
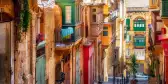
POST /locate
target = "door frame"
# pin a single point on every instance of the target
(10, 39)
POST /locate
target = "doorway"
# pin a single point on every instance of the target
(6, 62)
(40, 64)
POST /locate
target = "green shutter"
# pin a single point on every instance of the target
(128, 24)
(139, 26)
(139, 41)
(128, 38)
(164, 8)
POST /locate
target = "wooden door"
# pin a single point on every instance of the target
(5, 52)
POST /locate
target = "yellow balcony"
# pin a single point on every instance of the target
(154, 4)
(105, 10)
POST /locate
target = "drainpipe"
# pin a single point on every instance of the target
(72, 61)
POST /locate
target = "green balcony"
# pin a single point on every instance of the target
(139, 25)
(139, 41)
(164, 8)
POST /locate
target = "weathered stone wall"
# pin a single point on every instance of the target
(25, 55)
(49, 26)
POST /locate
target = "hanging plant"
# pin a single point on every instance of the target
(24, 16)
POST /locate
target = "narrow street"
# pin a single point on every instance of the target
(83, 41)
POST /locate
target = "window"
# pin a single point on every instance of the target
(77, 11)
(128, 38)
(94, 17)
(140, 54)
(139, 25)
(105, 31)
(159, 26)
(94, 10)
(128, 53)
(68, 14)
(139, 41)
(128, 24)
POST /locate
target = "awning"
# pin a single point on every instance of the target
(66, 31)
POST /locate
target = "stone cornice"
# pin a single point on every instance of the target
(137, 9)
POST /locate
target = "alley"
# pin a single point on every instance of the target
(83, 41)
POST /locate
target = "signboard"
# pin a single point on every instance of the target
(114, 14)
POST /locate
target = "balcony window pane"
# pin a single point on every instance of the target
(94, 18)
(105, 33)
(68, 14)
(159, 26)
(94, 10)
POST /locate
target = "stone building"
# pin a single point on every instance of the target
(93, 27)
(136, 35)
(69, 49)
(106, 38)
(117, 11)
(30, 53)
(159, 25)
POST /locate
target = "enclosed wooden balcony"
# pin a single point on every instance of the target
(96, 30)
(105, 10)
(139, 41)
(154, 4)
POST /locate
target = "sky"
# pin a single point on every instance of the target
(137, 3)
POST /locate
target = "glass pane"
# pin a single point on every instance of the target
(134, 25)
(137, 25)
(94, 10)
(68, 14)
(94, 17)
(105, 33)
(159, 26)
(105, 28)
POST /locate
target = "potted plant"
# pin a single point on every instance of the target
(133, 68)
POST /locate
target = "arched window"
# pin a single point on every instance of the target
(139, 24)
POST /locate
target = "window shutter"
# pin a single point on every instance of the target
(164, 8)
(128, 24)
